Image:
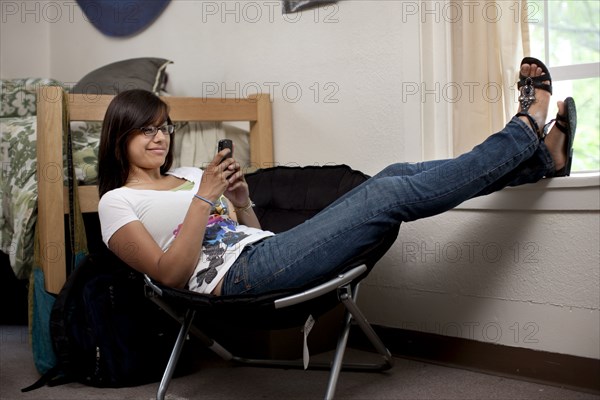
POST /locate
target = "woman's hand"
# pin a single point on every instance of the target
(237, 192)
(217, 176)
(238, 195)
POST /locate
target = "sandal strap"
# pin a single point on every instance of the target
(562, 118)
(534, 125)
(537, 82)
(563, 128)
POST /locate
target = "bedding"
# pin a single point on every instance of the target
(19, 192)
(17, 96)
(18, 183)
(18, 187)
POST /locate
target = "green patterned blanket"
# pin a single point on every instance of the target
(18, 184)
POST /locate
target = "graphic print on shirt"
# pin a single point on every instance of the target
(220, 235)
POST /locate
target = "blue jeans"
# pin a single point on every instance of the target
(401, 192)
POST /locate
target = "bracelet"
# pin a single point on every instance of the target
(246, 207)
(205, 200)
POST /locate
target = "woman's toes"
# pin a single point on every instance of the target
(561, 109)
(538, 108)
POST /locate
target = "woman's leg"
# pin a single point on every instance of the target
(530, 171)
(346, 228)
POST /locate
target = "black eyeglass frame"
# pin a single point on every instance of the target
(151, 131)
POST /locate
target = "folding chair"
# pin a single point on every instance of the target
(284, 197)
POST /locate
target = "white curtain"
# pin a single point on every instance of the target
(471, 58)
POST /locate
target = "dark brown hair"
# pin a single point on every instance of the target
(128, 111)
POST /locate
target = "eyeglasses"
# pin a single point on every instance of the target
(151, 131)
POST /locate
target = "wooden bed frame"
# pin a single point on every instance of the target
(52, 196)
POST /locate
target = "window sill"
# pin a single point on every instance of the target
(579, 192)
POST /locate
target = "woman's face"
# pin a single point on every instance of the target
(147, 151)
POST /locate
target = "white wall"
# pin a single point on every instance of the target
(542, 292)
(327, 69)
(24, 40)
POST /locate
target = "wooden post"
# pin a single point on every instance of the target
(50, 187)
(261, 133)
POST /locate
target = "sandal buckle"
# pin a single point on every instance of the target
(527, 97)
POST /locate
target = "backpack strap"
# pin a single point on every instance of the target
(51, 376)
(77, 235)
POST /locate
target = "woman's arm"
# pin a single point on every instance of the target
(134, 245)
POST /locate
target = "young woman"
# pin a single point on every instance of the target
(196, 229)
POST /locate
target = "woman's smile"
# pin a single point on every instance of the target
(161, 151)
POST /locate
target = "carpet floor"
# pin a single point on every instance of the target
(218, 379)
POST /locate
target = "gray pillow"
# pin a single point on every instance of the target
(136, 73)
(292, 6)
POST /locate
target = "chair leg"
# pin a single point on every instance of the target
(166, 379)
(349, 300)
(347, 297)
(204, 339)
(338, 359)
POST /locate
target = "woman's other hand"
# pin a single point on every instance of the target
(237, 192)
(217, 176)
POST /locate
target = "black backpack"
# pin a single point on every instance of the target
(105, 331)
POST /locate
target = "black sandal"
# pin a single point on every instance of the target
(527, 86)
(570, 121)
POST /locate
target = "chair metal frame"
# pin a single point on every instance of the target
(347, 288)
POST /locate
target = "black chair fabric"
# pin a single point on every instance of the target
(287, 196)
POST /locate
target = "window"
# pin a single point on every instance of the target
(565, 35)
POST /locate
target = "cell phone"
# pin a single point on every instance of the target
(225, 144)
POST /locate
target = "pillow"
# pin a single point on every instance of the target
(292, 6)
(136, 73)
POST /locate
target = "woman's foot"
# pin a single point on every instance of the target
(556, 141)
(559, 140)
(535, 97)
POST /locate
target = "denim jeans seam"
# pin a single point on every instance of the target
(241, 277)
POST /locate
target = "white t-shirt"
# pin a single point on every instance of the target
(162, 212)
